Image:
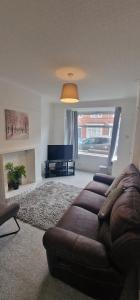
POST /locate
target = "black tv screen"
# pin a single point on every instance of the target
(60, 152)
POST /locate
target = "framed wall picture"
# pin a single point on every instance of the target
(16, 125)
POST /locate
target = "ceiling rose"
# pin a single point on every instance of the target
(63, 73)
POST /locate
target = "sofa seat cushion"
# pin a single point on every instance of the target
(80, 221)
(90, 201)
(97, 187)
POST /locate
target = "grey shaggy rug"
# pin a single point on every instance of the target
(45, 205)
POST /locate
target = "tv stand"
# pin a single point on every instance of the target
(56, 168)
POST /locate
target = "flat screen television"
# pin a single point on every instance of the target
(60, 152)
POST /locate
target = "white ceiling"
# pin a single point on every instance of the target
(101, 37)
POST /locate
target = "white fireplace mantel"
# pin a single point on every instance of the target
(18, 149)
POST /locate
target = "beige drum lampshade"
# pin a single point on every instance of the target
(69, 93)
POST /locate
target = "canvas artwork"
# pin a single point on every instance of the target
(17, 125)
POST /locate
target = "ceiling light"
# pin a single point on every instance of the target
(69, 93)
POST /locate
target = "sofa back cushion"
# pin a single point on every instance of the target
(128, 172)
(122, 208)
(132, 180)
(125, 214)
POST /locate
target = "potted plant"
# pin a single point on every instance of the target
(14, 175)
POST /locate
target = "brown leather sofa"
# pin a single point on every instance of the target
(92, 255)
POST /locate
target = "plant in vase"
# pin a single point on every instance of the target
(14, 175)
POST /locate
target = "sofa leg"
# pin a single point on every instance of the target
(13, 232)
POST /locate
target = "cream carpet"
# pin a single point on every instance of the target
(24, 271)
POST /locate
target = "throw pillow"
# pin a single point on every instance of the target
(130, 169)
(106, 208)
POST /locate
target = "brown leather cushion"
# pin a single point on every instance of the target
(132, 180)
(97, 187)
(130, 170)
(125, 214)
(80, 221)
(90, 201)
(106, 207)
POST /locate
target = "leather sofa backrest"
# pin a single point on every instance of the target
(125, 224)
(125, 215)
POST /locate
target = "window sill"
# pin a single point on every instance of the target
(80, 153)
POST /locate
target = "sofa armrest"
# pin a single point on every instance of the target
(75, 248)
(107, 179)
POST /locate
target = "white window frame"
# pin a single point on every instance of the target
(101, 126)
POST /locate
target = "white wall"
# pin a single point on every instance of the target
(90, 163)
(20, 99)
(136, 138)
(57, 123)
(46, 129)
(126, 132)
(125, 147)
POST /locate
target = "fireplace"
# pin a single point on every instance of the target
(27, 157)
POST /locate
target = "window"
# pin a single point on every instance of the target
(94, 132)
(97, 115)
